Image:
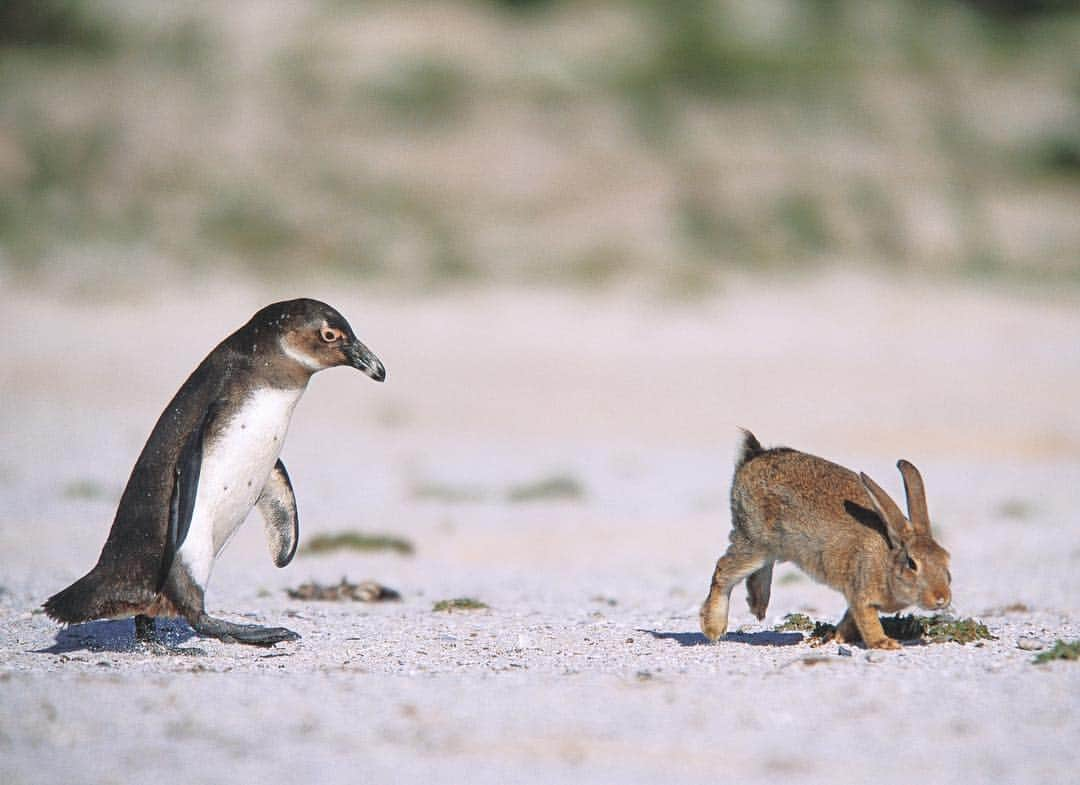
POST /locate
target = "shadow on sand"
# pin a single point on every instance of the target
(763, 638)
(116, 636)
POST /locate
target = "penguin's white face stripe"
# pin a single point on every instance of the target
(235, 467)
(306, 360)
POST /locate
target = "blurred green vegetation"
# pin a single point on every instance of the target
(357, 541)
(1061, 650)
(545, 143)
(556, 487)
(62, 24)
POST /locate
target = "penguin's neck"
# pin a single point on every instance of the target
(265, 362)
(277, 371)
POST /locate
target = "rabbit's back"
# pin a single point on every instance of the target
(805, 509)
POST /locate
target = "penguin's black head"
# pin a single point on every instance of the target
(317, 337)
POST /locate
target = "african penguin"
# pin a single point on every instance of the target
(212, 456)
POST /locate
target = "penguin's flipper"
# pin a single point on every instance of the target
(277, 504)
(185, 488)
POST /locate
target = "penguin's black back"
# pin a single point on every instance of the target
(134, 559)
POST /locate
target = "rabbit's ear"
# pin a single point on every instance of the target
(896, 524)
(916, 496)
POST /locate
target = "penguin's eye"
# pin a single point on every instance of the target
(329, 334)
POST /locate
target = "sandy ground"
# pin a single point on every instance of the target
(588, 666)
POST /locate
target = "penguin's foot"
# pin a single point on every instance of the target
(251, 634)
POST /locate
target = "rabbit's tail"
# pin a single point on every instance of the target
(750, 448)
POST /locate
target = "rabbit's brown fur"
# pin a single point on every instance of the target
(838, 527)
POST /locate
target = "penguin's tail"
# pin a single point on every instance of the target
(91, 597)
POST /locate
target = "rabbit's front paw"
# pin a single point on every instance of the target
(885, 643)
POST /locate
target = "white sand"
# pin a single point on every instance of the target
(589, 666)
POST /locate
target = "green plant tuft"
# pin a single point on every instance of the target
(944, 629)
(795, 622)
(1060, 651)
(459, 604)
(938, 628)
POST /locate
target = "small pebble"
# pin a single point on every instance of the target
(876, 656)
(843, 651)
(1030, 644)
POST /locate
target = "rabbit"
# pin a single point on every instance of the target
(840, 528)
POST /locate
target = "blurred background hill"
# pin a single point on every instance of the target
(564, 144)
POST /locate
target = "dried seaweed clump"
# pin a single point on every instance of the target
(365, 591)
(459, 604)
(1060, 651)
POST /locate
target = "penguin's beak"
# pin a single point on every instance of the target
(363, 359)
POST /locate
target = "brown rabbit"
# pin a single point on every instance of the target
(840, 528)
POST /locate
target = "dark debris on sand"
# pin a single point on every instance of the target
(365, 591)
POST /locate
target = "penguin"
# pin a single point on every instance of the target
(211, 457)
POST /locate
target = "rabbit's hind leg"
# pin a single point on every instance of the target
(846, 631)
(758, 588)
(740, 560)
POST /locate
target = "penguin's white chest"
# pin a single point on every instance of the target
(236, 463)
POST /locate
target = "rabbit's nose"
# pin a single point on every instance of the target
(941, 600)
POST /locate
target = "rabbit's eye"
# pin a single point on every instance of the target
(912, 565)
